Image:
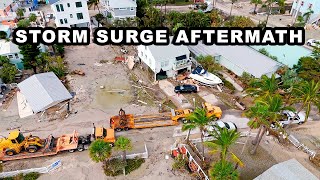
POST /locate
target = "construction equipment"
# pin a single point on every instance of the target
(125, 121)
(16, 146)
(212, 110)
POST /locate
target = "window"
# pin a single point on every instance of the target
(61, 7)
(65, 20)
(79, 15)
(68, 4)
(10, 56)
(71, 16)
(61, 21)
(58, 8)
(16, 55)
(78, 4)
(132, 9)
(122, 9)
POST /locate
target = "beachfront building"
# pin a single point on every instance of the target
(238, 59)
(115, 9)
(8, 14)
(71, 13)
(165, 61)
(300, 7)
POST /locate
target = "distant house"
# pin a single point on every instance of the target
(8, 14)
(43, 91)
(6, 29)
(71, 13)
(300, 7)
(51, 1)
(29, 5)
(238, 59)
(165, 61)
(12, 51)
(119, 9)
(287, 170)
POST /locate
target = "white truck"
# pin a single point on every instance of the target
(291, 117)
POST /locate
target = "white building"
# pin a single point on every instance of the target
(165, 61)
(119, 9)
(71, 13)
(12, 51)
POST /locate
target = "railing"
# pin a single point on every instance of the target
(301, 146)
(182, 64)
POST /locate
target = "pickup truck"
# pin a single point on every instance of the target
(289, 116)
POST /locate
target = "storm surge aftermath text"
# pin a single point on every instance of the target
(160, 36)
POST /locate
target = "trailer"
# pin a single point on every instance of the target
(125, 121)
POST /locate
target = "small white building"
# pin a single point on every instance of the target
(119, 9)
(71, 13)
(165, 61)
(12, 51)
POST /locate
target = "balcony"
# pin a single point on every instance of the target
(181, 64)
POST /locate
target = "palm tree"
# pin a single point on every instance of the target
(307, 93)
(99, 151)
(263, 86)
(266, 111)
(197, 119)
(232, 2)
(123, 144)
(99, 17)
(256, 3)
(269, 5)
(94, 3)
(20, 13)
(307, 15)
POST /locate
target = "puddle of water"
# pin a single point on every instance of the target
(113, 95)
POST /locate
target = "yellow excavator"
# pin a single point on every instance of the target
(16, 142)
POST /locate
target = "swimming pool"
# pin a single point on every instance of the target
(288, 55)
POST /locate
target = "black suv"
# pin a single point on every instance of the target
(185, 89)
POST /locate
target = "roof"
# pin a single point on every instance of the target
(122, 3)
(287, 170)
(13, 134)
(5, 3)
(43, 91)
(8, 47)
(168, 52)
(244, 57)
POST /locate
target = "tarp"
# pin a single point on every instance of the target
(23, 106)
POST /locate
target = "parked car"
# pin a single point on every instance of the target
(214, 126)
(313, 43)
(290, 117)
(187, 88)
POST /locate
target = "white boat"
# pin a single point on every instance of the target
(204, 77)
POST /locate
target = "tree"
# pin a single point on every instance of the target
(30, 53)
(232, 2)
(99, 151)
(42, 61)
(266, 111)
(3, 35)
(316, 53)
(94, 3)
(8, 73)
(176, 27)
(282, 6)
(208, 63)
(32, 17)
(4, 60)
(266, 53)
(59, 48)
(23, 23)
(141, 7)
(224, 171)
(263, 86)
(307, 93)
(56, 65)
(239, 21)
(123, 144)
(99, 17)
(308, 68)
(256, 3)
(20, 13)
(307, 15)
(198, 119)
(152, 18)
(216, 19)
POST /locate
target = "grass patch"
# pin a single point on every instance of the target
(29, 176)
(115, 166)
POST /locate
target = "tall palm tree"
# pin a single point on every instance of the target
(232, 2)
(267, 110)
(123, 144)
(99, 151)
(307, 93)
(197, 119)
(307, 15)
(256, 3)
(20, 13)
(94, 3)
(263, 86)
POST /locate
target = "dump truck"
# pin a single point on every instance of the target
(16, 146)
(125, 121)
(212, 110)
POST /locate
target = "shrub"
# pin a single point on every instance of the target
(31, 176)
(3, 35)
(103, 61)
(133, 164)
(179, 163)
